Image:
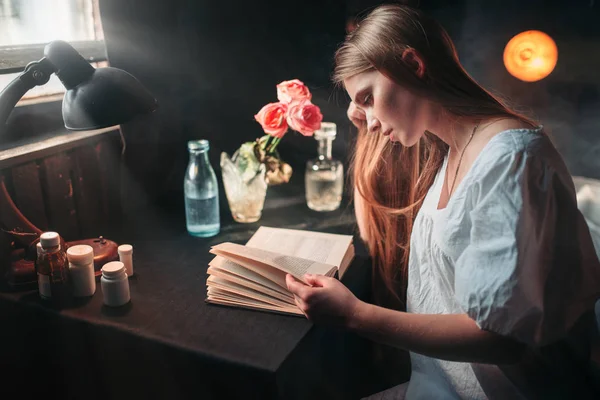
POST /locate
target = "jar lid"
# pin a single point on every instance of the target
(80, 254)
(113, 268)
(49, 239)
(198, 145)
(125, 249)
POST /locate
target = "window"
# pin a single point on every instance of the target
(26, 26)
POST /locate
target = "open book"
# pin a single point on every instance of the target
(253, 276)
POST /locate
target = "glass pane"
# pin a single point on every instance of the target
(41, 21)
(24, 22)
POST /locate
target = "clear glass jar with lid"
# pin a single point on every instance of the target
(324, 177)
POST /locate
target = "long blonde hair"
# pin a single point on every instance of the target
(392, 179)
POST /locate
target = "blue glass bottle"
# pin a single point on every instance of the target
(201, 192)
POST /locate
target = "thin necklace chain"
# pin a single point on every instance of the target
(461, 157)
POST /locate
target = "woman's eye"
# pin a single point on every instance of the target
(367, 100)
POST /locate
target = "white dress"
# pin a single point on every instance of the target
(512, 251)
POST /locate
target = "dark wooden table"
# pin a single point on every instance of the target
(168, 343)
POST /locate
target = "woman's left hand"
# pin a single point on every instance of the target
(326, 301)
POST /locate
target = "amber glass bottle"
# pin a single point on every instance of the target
(52, 269)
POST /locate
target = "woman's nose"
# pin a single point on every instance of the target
(373, 125)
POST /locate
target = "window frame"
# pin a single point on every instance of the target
(15, 58)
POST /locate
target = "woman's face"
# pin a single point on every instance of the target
(390, 109)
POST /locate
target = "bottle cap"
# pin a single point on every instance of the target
(125, 249)
(198, 145)
(113, 268)
(327, 130)
(80, 254)
(49, 239)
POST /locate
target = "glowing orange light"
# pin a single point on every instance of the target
(530, 56)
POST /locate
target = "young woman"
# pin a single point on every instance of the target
(470, 216)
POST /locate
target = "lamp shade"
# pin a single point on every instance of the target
(110, 97)
(530, 56)
(96, 98)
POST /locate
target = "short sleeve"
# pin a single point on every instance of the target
(527, 272)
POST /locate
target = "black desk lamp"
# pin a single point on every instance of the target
(95, 98)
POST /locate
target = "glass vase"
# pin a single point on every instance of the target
(245, 188)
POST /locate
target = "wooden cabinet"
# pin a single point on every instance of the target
(69, 183)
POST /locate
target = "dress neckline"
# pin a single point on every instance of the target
(439, 179)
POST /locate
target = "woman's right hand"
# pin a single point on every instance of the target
(356, 115)
(324, 300)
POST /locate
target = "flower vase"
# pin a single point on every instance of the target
(245, 187)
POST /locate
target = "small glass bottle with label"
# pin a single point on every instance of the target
(52, 267)
(324, 178)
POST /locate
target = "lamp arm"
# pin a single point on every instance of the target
(36, 73)
(13, 218)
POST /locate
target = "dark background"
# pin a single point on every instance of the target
(213, 64)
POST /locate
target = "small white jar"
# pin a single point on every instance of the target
(81, 270)
(115, 286)
(126, 257)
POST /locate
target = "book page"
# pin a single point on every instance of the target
(230, 289)
(271, 273)
(253, 305)
(258, 260)
(321, 247)
(222, 278)
(236, 273)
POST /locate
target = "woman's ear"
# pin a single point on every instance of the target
(412, 58)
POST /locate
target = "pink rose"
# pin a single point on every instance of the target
(304, 117)
(292, 91)
(272, 119)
